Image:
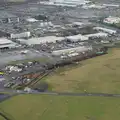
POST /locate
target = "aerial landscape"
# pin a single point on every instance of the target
(59, 59)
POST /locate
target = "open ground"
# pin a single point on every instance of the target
(98, 75)
(44, 107)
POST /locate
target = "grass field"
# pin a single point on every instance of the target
(44, 107)
(99, 74)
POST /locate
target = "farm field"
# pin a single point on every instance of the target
(44, 107)
(100, 74)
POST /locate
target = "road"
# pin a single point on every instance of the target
(61, 93)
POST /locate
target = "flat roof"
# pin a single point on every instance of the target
(4, 14)
(41, 40)
(5, 41)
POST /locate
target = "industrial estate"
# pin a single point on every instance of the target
(55, 46)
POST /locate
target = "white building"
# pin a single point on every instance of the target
(105, 30)
(93, 6)
(45, 24)
(111, 20)
(21, 35)
(72, 3)
(5, 43)
(97, 35)
(27, 89)
(31, 20)
(76, 38)
(68, 51)
(78, 23)
(41, 40)
(111, 5)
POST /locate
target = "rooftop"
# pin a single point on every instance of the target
(4, 14)
(40, 40)
(5, 41)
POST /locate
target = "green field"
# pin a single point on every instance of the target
(44, 107)
(99, 74)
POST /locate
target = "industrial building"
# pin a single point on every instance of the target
(31, 20)
(111, 20)
(76, 38)
(7, 44)
(97, 35)
(72, 3)
(8, 18)
(40, 40)
(71, 50)
(21, 35)
(105, 30)
(93, 6)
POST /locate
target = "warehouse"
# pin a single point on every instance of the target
(93, 6)
(68, 51)
(41, 40)
(105, 30)
(71, 3)
(6, 17)
(76, 38)
(31, 20)
(97, 35)
(7, 44)
(21, 35)
(111, 20)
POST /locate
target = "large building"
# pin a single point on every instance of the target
(73, 50)
(111, 20)
(40, 40)
(7, 44)
(72, 3)
(21, 35)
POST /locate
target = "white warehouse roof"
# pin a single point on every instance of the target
(5, 41)
(105, 30)
(21, 35)
(77, 2)
(41, 40)
(78, 37)
(100, 34)
(111, 20)
(78, 23)
(76, 49)
(31, 20)
(72, 3)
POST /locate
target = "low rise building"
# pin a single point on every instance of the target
(71, 50)
(7, 44)
(76, 38)
(41, 40)
(31, 20)
(21, 35)
(97, 35)
(111, 20)
(105, 30)
(71, 3)
(93, 6)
